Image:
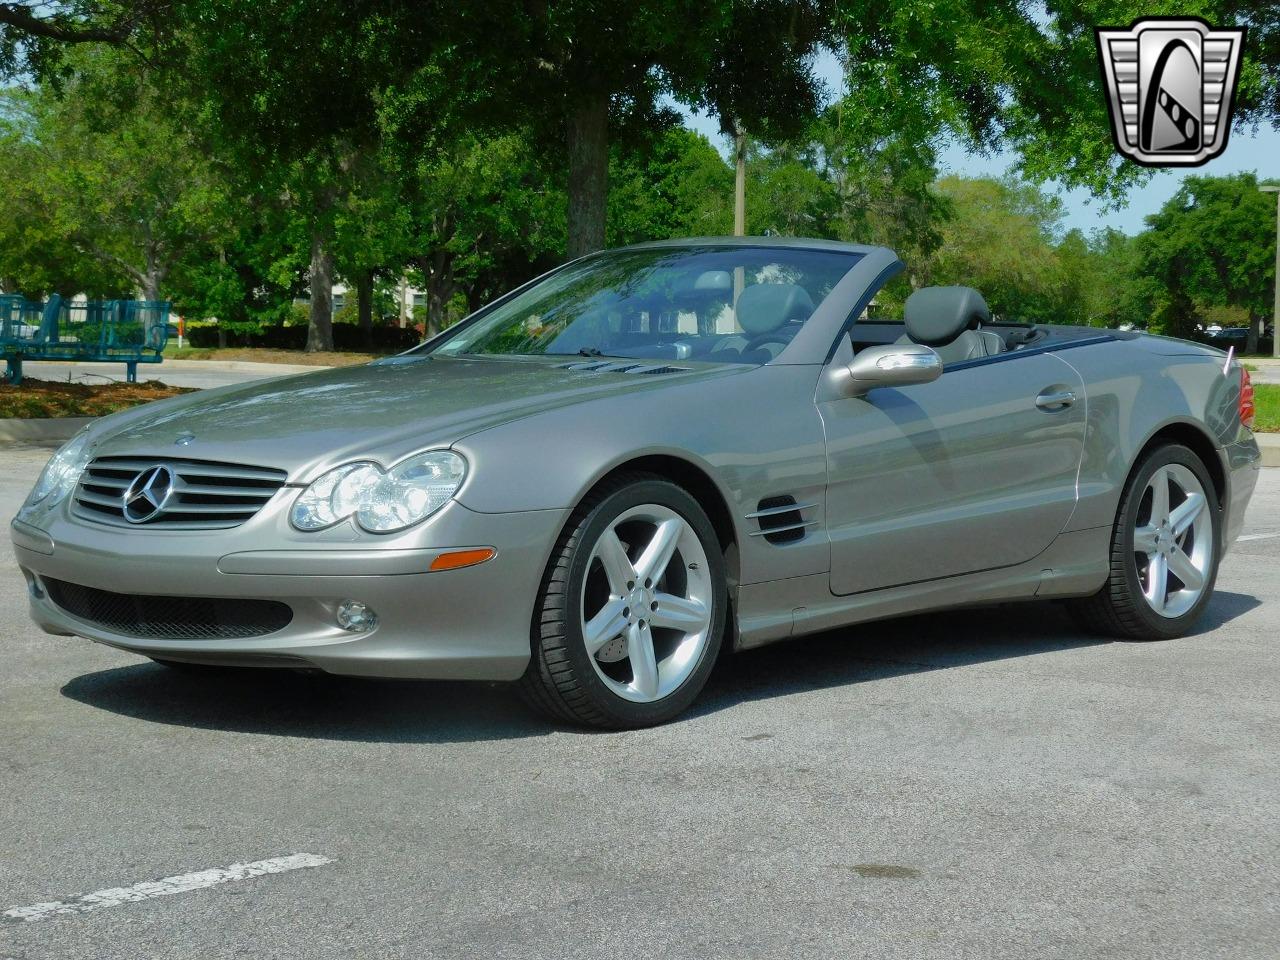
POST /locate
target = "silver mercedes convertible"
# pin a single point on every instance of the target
(598, 482)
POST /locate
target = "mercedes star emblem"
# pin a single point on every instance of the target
(147, 495)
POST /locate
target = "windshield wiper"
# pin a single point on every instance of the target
(592, 352)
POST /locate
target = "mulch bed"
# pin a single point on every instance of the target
(44, 399)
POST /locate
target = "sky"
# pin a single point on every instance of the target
(1246, 151)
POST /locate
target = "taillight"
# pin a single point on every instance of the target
(1247, 408)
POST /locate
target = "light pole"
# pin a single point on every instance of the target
(1275, 315)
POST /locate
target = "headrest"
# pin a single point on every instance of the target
(935, 316)
(764, 307)
(708, 285)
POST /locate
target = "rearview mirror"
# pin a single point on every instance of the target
(896, 365)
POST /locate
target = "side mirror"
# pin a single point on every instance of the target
(896, 365)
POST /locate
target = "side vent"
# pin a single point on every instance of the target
(653, 371)
(781, 519)
(635, 369)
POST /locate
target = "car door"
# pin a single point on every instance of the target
(974, 471)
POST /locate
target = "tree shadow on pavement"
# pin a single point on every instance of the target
(285, 703)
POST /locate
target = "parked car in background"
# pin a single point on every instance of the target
(1228, 336)
(593, 485)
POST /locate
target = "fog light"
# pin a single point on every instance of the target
(356, 616)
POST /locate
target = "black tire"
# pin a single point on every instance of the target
(560, 680)
(1119, 609)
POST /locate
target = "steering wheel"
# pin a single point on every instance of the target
(779, 335)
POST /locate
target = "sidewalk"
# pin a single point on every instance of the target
(1270, 444)
(1265, 369)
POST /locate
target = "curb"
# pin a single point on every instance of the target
(1269, 444)
(42, 431)
(244, 366)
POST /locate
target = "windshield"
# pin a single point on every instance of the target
(723, 304)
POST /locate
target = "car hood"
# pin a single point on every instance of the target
(380, 411)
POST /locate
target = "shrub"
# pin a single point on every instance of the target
(281, 337)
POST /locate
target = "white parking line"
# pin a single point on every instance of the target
(1258, 536)
(165, 887)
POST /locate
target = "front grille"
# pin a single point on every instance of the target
(205, 495)
(169, 618)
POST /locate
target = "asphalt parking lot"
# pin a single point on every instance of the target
(978, 784)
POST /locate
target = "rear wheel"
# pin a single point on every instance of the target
(1164, 551)
(631, 610)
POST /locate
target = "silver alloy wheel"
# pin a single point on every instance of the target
(647, 603)
(1173, 540)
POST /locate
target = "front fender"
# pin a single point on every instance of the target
(754, 435)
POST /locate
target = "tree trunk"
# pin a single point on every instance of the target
(1251, 341)
(320, 327)
(437, 268)
(740, 180)
(151, 276)
(588, 173)
(439, 292)
(405, 299)
(150, 287)
(364, 299)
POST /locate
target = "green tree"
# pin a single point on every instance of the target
(1025, 77)
(675, 185)
(35, 34)
(788, 193)
(1000, 239)
(106, 171)
(584, 72)
(289, 82)
(485, 210)
(37, 254)
(850, 177)
(1099, 281)
(295, 80)
(1211, 245)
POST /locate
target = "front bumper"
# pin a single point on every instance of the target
(471, 623)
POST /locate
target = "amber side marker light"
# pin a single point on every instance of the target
(456, 559)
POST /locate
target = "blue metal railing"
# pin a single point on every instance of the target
(124, 331)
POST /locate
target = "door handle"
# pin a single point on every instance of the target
(1057, 400)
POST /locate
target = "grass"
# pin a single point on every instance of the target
(1266, 396)
(266, 355)
(44, 399)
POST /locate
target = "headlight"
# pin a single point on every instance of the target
(381, 501)
(62, 472)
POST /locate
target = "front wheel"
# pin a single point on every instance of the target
(1164, 551)
(631, 610)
